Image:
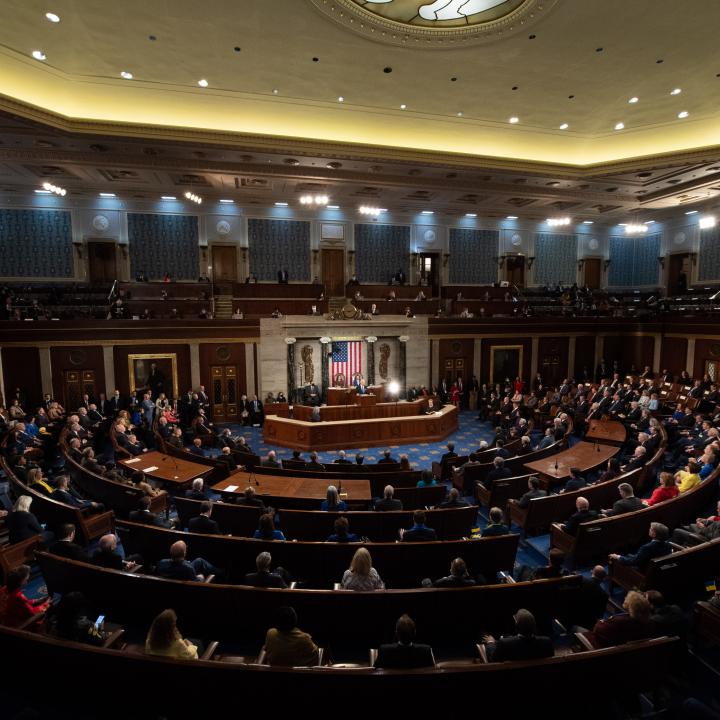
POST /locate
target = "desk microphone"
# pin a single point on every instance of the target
(170, 457)
(556, 466)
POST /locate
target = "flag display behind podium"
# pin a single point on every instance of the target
(346, 359)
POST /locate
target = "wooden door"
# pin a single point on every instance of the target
(333, 275)
(515, 270)
(429, 263)
(678, 273)
(224, 393)
(77, 383)
(593, 273)
(224, 263)
(453, 368)
(102, 264)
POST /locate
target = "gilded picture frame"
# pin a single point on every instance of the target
(139, 370)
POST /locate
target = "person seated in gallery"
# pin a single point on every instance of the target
(361, 575)
(276, 313)
(288, 646)
(427, 479)
(342, 532)
(266, 528)
(634, 624)
(271, 460)
(525, 645)
(374, 309)
(359, 460)
(387, 501)
(314, 463)
(458, 577)
(332, 502)
(496, 525)
(311, 394)
(342, 460)
(164, 639)
(314, 311)
(250, 498)
(405, 653)
(265, 577)
(296, 462)
(238, 314)
(419, 532)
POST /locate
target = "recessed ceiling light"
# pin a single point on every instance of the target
(403, 106)
(513, 120)
(275, 91)
(691, 212)
(459, 114)
(52, 17)
(707, 222)
(333, 207)
(683, 114)
(227, 201)
(428, 212)
(676, 91)
(341, 99)
(648, 222)
(512, 217)
(107, 195)
(39, 55)
(43, 192)
(633, 100)
(588, 222)
(281, 204)
(620, 126)
(564, 126)
(168, 197)
(203, 83)
(470, 214)
(126, 75)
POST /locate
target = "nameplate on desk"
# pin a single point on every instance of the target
(150, 469)
(231, 488)
(134, 460)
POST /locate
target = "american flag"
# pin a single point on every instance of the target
(346, 359)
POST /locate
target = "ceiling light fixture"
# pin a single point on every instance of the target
(126, 75)
(691, 212)
(564, 126)
(192, 196)
(54, 189)
(511, 217)
(557, 222)
(341, 99)
(427, 212)
(107, 195)
(403, 106)
(43, 192)
(683, 114)
(676, 91)
(168, 197)
(707, 222)
(39, 55)
(52, 17)
(281, 204)
(620, 126)
(333, 207)
(514, 120)
(367, 210)
(275, 91)
(635, 228)
(588, 222)
(459, 114)
(203, 83)
(470, 214)
(314, 200)
(227, 201)
(633, 100)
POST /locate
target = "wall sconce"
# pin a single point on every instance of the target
(581, 265)
(661, 260)
(606, 265)
(530, 262)
(446, 257)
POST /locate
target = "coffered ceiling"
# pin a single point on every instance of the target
(275, 69)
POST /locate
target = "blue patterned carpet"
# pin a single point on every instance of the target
(421, 455)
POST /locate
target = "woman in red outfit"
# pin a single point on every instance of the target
(667, 490)
(15, 608)
(455, 395)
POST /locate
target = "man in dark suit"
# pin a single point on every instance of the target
(264, 577)
(314, 463)
(197, 491)
(283, 277)
(257, 412)
(657, 547)
(66, 546)
(145, 516)
(498, 472)
(64, 494)
(388, 502)
(453, 500)
(270, 461)
(404, 653)
(627, 502)
(342, 460)
(227, 459)
(106, 555)
(203, 523)
(592, 601)
(533, 492)
(526, 645)
(576, 480)
(116, 403)
(387, 458)
(196, 447)
(249, 498)
(311, 395)
(296, 462)
(419, 532)
(583, 514)
(450, 454)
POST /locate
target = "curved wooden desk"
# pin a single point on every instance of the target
(361, 433)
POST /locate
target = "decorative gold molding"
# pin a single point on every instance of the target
(152, 356)
(493, 348)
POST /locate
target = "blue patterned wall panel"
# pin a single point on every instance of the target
(162, 244)
(634, 260)
(472, 256)
(279, 244)
(380, 250)
(709, 258)
(36, 243)
(555, 259)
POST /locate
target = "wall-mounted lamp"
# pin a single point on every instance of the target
(606, 265)
(661, 260)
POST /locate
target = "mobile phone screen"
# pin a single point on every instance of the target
(99, 621)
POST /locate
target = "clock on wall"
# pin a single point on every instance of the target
(100, 223)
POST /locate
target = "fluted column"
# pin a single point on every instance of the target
(402, 362)
(371, 340)
(291, 368)
(325, 344)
